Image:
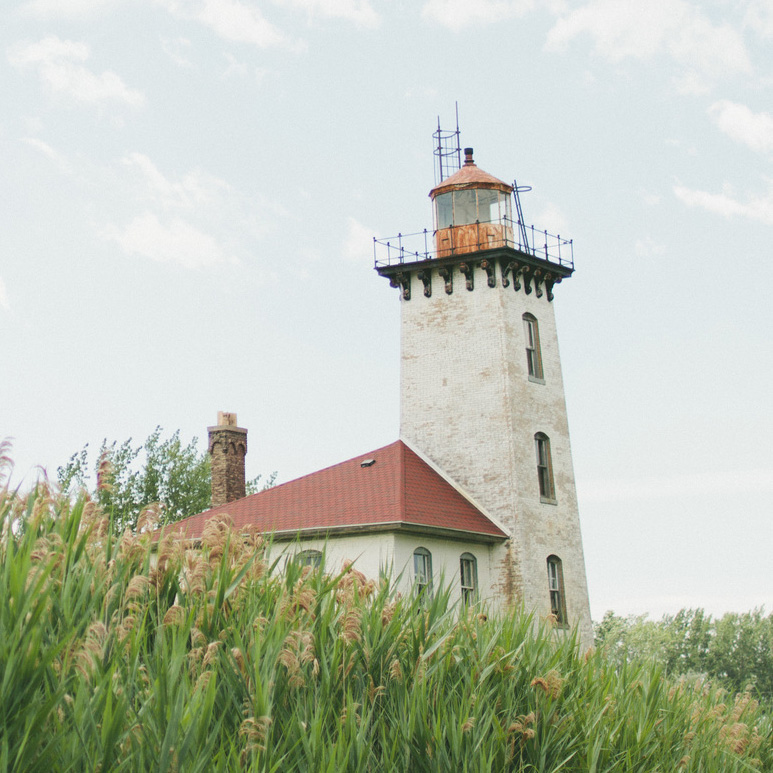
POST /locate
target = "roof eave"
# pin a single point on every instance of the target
(444, 532)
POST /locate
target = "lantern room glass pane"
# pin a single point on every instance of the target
(445, 210)
(488, 206)
(465, 207)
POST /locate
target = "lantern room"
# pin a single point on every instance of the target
(472, 211)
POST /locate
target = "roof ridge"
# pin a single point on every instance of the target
(307, 475)
(401, 480)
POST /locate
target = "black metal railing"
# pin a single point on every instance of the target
(411, 248)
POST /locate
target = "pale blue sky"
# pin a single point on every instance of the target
(189, 191)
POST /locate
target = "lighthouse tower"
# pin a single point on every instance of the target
(482, 395)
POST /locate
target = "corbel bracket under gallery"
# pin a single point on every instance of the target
(469, 274)
(447, 275)
(426, 277)
(402, 279)
(489, 266)
(537, 278)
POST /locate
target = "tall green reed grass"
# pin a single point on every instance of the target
(121, 654)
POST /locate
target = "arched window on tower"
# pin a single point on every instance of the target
(468, 566)
(556, 590)
(533, 353)
(422, 571)
(547, 491)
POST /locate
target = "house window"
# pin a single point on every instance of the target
(468, 566)
(547, 491)
(422, 570)
(556, 588)
(533, 354)
(312, 558)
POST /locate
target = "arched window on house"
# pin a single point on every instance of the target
(312, 558)
(533, 353)
(468, 566)
(547, 490)
(422, 570)
(556, 590)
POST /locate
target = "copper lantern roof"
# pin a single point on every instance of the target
(470, 176)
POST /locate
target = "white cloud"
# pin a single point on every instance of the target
(176, 241)
(4, 305)
(360, 12)
(648, 247)
(240, 22)
(359, 241)
(629, 28)
(690, 82)
(177, 49)
(235, 67)
(458, 14)
(194, 189)
(705, 48)
(725, 204)
(193, 219)
(621, 28)
(759, 17)
(65, 8)
(59, 64)
(61, 162)
(755, 130)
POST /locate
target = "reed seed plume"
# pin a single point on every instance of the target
(238, 657)
(255, 732)
(210, 656)
(550, 684)
(6, 462)
(137, 587)
(175, 615)
(150, 518)
(105, 472)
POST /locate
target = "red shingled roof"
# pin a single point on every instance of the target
(399, 490)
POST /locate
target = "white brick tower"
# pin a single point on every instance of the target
(481, 389)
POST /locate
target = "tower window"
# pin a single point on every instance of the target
(422, 570)
(468, 566)
(533, 354)
(556, 589)
(547, 491)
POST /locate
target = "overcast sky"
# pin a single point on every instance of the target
(189, 191)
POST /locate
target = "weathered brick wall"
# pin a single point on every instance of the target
(468, 404)
(227, 449)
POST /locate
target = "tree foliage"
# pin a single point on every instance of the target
(735, 650)
(128, 478)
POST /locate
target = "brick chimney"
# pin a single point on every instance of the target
(227, 449)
